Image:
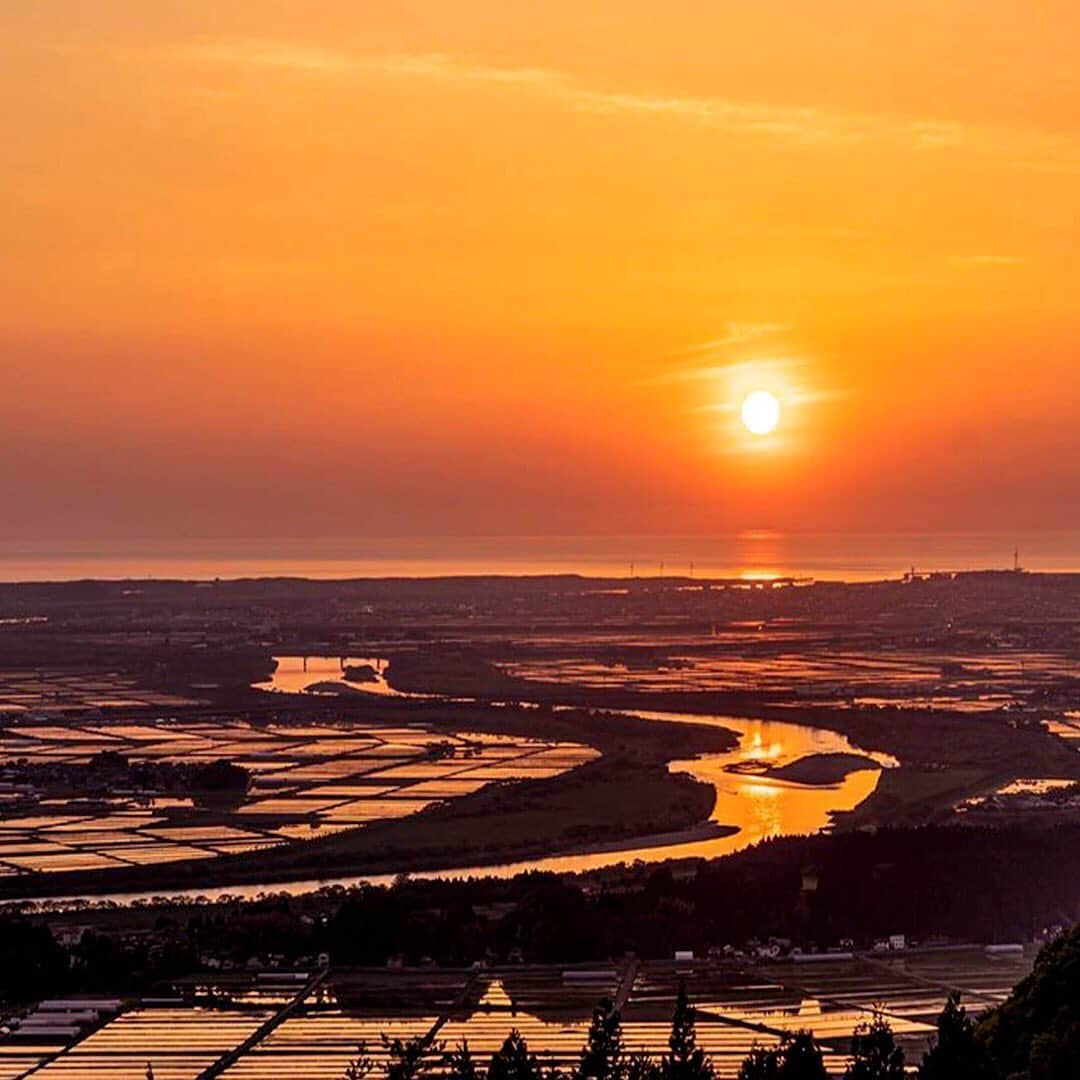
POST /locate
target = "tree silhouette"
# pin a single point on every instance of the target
(149, 1071)
(1036, 1033)
(641, 1066)
(956, 1054)
(685, 1060)
(460, 1064)
(360, 1066)
(602, 1057)
(405, 1057)
(512, 1061)
(875, 1055)
(761, 1064)
(798, 1057)
(801, 1058)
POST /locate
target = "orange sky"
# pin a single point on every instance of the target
(377, 268)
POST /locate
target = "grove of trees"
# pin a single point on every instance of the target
(1034, 1035)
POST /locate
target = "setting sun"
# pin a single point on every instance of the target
(760, 412)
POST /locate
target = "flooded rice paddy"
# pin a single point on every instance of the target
(740, 1005)
(75, 690)
(307, 782)
(971, 681)
(757, 804)
(179, 1042)
(315, 780)
(1067, 727)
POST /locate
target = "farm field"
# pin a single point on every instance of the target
(76, 691)
(307, 782)
(973, 681)
(739, 1006)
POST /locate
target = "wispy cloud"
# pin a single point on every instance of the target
(710, 359)
(788, 122)
(785, 376)
(317, 60)
(737, 333)
(799, 124)
(987, 260)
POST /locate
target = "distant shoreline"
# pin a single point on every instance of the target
(601, 581)
(752, 555)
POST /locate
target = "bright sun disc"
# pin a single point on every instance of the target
(760, 412)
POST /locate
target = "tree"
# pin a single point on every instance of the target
(1035, 1035)
(405, 1056)
(32, 964)
(223, 775)
(603, 1053)
(641, 1066)
(460, 1064)
(875, 1055)
(801, 1058)
(685, 1060)
(798, 1057)
(512, 1061)
(149, 1071)
(761, 1064)
(360, 1066)
(956, 1054)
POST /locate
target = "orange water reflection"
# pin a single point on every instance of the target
(296, 674)
(758, 806)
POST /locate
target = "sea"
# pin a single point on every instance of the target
(749, 555)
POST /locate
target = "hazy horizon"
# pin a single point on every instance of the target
(755, 554)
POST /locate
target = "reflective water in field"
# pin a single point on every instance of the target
(738, 1005)
(322, 674)
(757, 804)
(774, 660)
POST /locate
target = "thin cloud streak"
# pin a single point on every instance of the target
(798, 124)
(738, 333)
(987, 260)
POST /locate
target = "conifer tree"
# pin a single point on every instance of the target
(801, 1058)
(405, 1056)
(640, 1066)
(460, 1064)
(685, 1060)
(512, 1061)
(875, 1055)
(360, 1066)
(760, 1064)
(602, 1057)
(956, 1054)
(798, 1057)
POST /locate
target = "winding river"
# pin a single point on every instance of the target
(757, 805)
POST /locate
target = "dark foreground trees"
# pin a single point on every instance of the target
(1035, 1035)
(685, 1060)
(461, 1065)
(956, 1053)
(603, 1055)
(874, 1053)
(512, 1061)
(798, 1057)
